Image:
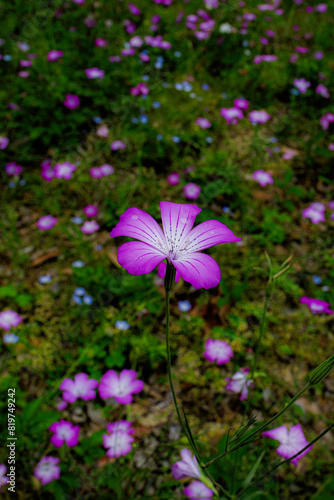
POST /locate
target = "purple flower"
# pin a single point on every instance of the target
(315, 212)
(136, 41)
(239, 383)
(64, 170)
(203, 123)
(292, 441)
(91, 210)
(46, 222)
(71, 101)
(102, 131)
(13, 168)
(218, 350)
(317, 306)
(23, 74)
(90, 226)
(241, 103)
(64, 432)
(231, 115)
(322, 90)
(94, 73)
(198, 491)
(301, 84)
(134, 9)
(191, 191)
(9, 318)
(53, 55)
(256, 117)
(179, 243)
(3, 477)
(115, 145)
(119, 440)
(173, 178)
(121, 387)
(187, 467)
(262, 177)
(326, 120)
(47, 470)
(101, 42)
(81, 387)
(102, 171)
(3, 142)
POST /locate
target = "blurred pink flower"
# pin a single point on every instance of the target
(118, 441)
(46, 222)
(102, 131)
(173, 179)
(115, 145)
(301, 84)
(3, 142)
(64, 432)
(94, 73)
(315, 212)
(100, 42)
(218, 350)
(198, 491)
(192, 191)
(47, 469)
(292, 441)
(90, 227)
(262, 177)
(317, 306)
(322, 90)
(64, 170)
(53, 55)
(231, 115)
(203, 123)
(71, 101)
(256, 117)
(121, 387)
(91, 210)
(9, 318)
(81, 387)
(239, 383)
(13, 168)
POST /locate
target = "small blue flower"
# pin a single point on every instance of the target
(184, 305)
(143, 97)
(134, 120)
(12, 184)
(7, 57)
(145, 78)
(209, 140)
(165, 84)
(46, 278)
(224, 95)
(77, 220)
(79, 291)
(245, 43)
(97, 119)
(22, 182)
(98, 247)
(10, 338)
(276, 150)
(325, 288)
(78, 263)
(316, 279)
(187, 87)
(273, 139)
(144, 51)
(192, 95)
(87, 299)
(178, 86)
(122, 325)
(177, 54)
(294, 92)
(226, 210)
(175, 138)
(205, 86)
(77, 299)
(159, 137)
(143, 119)
(156, 104)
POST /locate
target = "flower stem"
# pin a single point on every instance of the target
(169, 368)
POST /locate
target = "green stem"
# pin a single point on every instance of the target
(287, 460)
(206, 475)
(169, 369)
(262, 329)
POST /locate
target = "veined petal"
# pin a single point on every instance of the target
(177, 221)
(199, 269)
(138, 224)
(207, 234)
(139, 258)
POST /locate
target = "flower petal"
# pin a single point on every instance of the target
(138, 224)
(209, 233)
(280, 433)
(139, 258)
(177, 221)
(199, 269)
